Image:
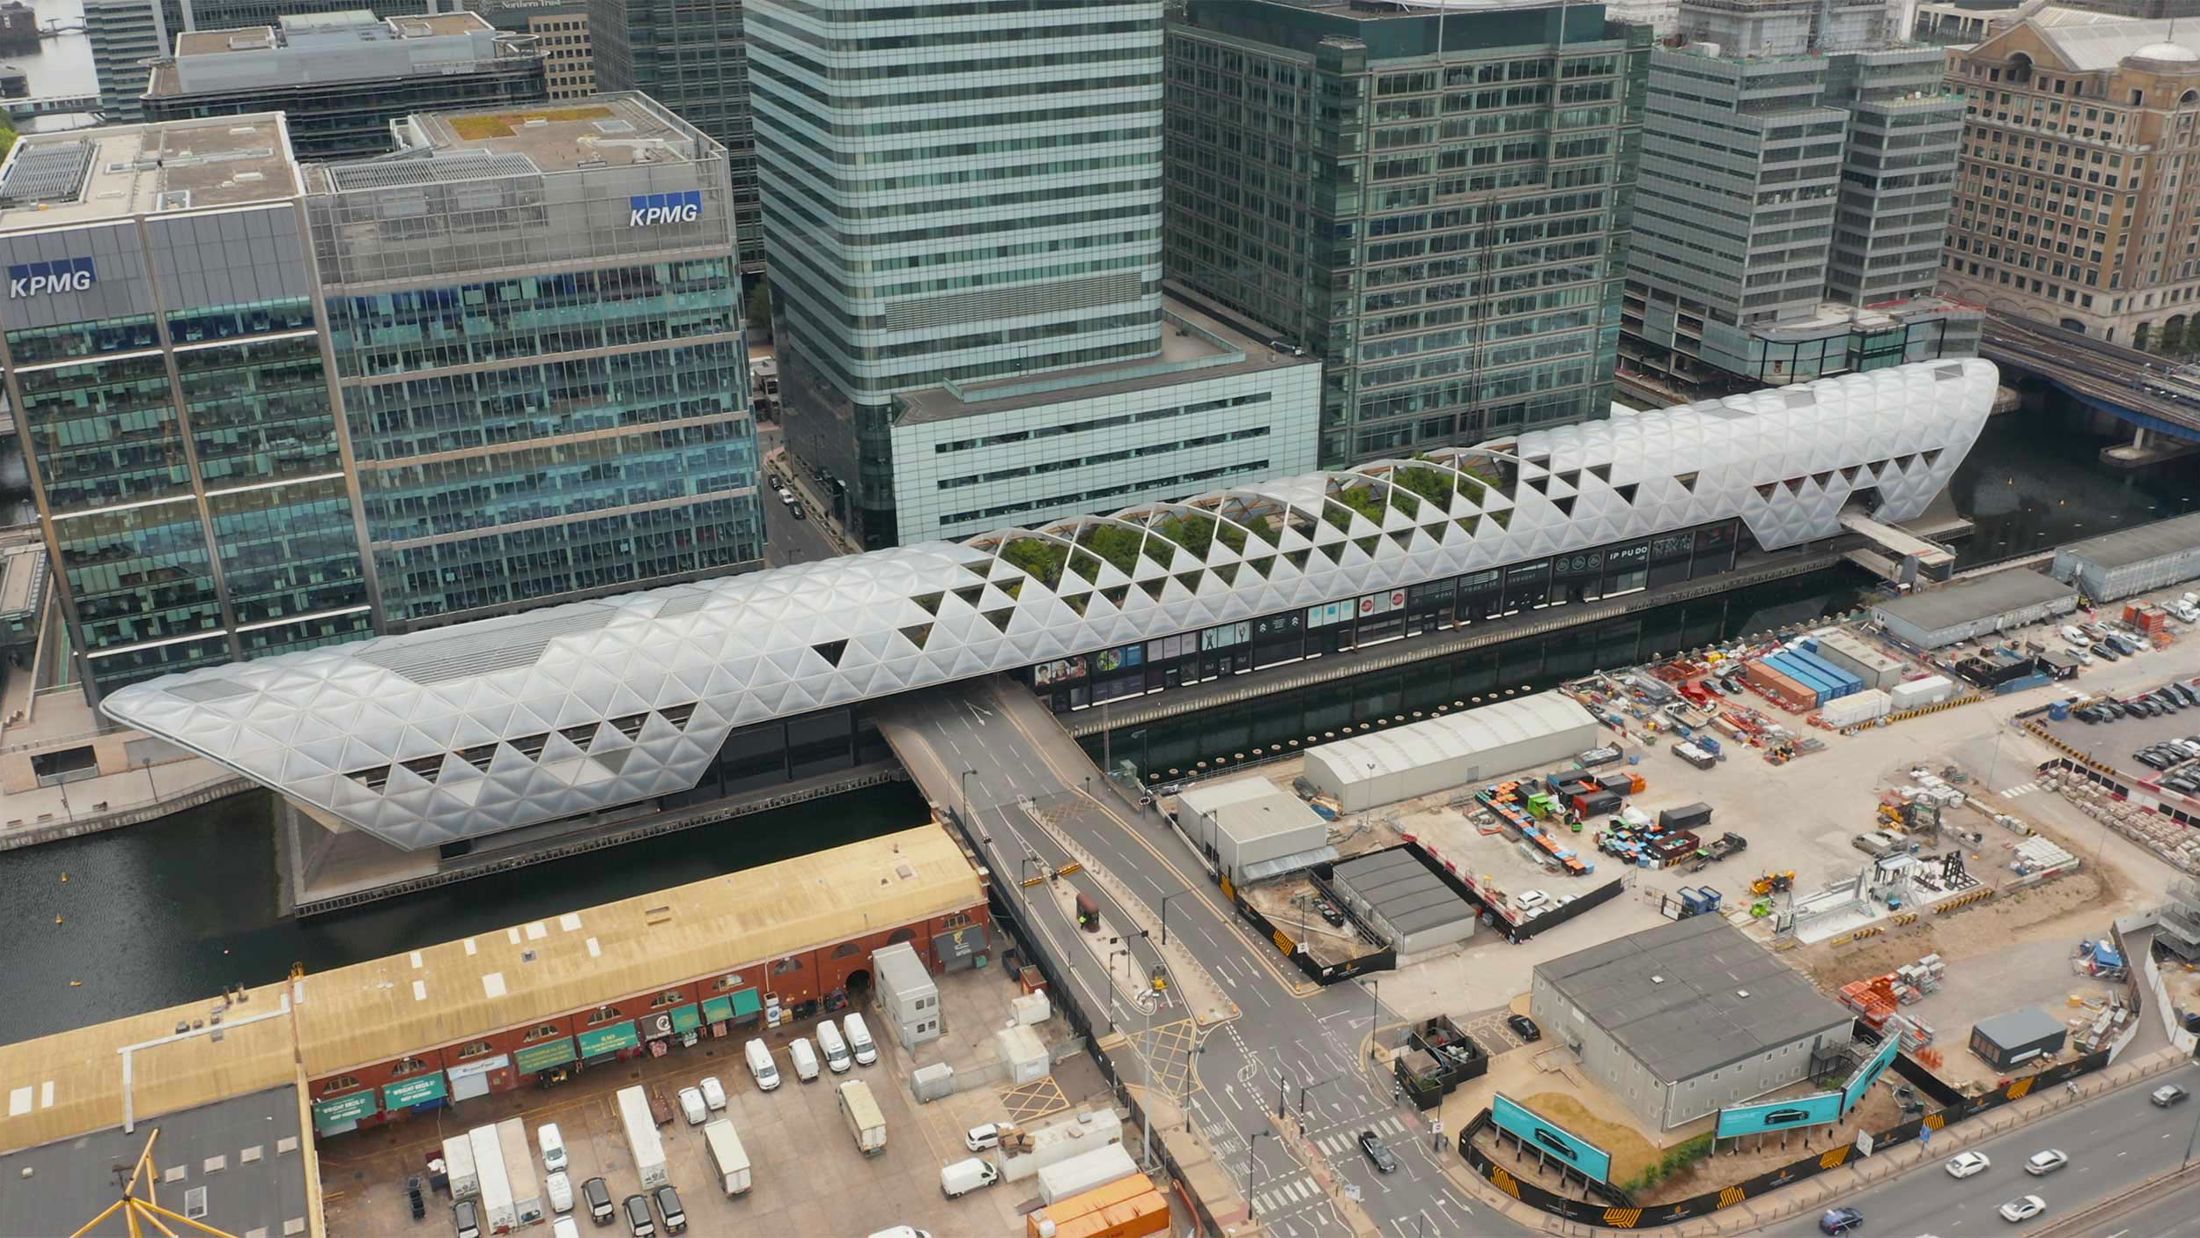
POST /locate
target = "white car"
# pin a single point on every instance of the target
(2045, 1162)
(692, 1106)
(565, 1227)
(2074, 638)
(560, 1190)
(2023, 1208)
(714, 1092)
(1529, 900)
(1964, 1164)
(979, 1138)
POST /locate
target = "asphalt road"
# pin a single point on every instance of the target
(2176, 1215)
(2115, 1142)
(1292, 1043)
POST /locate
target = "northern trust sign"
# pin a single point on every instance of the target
(37, 279)
(647, 210)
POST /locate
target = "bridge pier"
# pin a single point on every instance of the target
(2147, 446)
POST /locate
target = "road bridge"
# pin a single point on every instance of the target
(2142, 391)
(52, 105)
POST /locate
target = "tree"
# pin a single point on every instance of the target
(2171, 341)
(7, 136)
(760, 310)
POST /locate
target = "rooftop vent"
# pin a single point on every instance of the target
(1657, 980)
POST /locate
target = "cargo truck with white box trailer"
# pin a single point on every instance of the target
(727, 1154)
(865, 1121)
(1085, 1171)
(497, 1213)
(519, 1171)
(642, 1140)
(458, 1164)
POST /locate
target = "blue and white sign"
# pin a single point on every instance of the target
(37, 279)
(1793, 1113)
(647, 210)
(1852, 1093)
(1552, 1140)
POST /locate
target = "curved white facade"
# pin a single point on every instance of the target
(467, 730)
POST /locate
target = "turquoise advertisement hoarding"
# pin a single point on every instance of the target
(1868, 1074)
(1780, 1115)
(1552, 1140)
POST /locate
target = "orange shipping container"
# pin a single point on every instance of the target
(1146, 1215)
(1070, 1207)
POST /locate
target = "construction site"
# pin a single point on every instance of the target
(1879, 851)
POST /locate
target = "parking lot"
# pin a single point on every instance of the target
(809, 1178)
(2118, 742)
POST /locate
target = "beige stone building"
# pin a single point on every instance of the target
(566, 55)
(2078, 194)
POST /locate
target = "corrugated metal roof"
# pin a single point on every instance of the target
(2100, 44)
(2128, 546)
(1973, 600)
(1455, 735)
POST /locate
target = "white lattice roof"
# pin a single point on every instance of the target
(463, 731)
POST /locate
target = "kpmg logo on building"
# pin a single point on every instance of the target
(650, 209)
(37, 279)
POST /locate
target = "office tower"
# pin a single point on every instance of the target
(690, 56)
(1793, 202)
(2070, 203)
(341, 78)
(561, 34)
(963, 221)
(535, 321)
(126, 35)
(1435, 202)
(172, 398)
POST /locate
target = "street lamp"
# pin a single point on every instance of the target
(1252, 1158)
(1165, 913)
(968, 823)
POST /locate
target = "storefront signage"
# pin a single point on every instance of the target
(647, 210)
(341, 1112)
(419, 1090)
(37, 279)
(544, 1056)
(1796, 1112)
(686, 1018)
(1554, 1142)
(1382, 603)
(739, 1004)
(598, 1041)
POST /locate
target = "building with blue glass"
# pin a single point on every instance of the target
(269, 405)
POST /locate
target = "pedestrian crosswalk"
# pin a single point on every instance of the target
(2022, 788)
(1337, 1143)
(1290, 1193)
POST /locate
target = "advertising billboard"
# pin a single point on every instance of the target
(1552, 1140)
(1852, 1093)
(1781, 1115)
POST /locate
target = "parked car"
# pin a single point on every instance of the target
(2168, 1094)
(553, 1146)
(2045, 1162)
(714, 1092)
(979, 1138)
(1840, 1221)
(466, 1219)
(1524, 1027)
(559, 1189)
(639, 1222)
(2023, 1208)
(565, 1227)
(1382, 1158)
(1964, 1164)
(660, 1107)
(692, 1107)
(596, 1193)
(668, 1203)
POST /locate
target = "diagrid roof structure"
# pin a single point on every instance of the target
(462, 731)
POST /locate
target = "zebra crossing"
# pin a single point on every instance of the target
(2022, 788)
(1337, 1143)
(1290, 1193)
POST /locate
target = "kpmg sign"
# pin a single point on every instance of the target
(647, 210)
(1553, 1141)
(37, 279)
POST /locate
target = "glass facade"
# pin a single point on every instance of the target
(348, 119)
(1438, 207)
(958, 193)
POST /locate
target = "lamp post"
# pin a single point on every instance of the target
(1165, 913)
(968, 823)
(1252, 1156)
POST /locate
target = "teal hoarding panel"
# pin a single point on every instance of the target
(1852, 1094)
(1552, 1140)
(1781, 1115)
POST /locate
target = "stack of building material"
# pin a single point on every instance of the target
(2037, 855)
(1874, 999)
(1915, 1032)
(1857, 709)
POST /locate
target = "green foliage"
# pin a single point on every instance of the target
(760, 309)
(1234, 537)
(2174, 339)
(1114, 543)
(1041, 558)
(1429, 483)
(1195, 534)
(1361, 499)
(1676, 1160)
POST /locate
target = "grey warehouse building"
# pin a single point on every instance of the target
(1982, 607)
(2117, 565)
(1683, 1019)
(1406, 902)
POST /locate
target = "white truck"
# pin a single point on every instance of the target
(642, 1140)
(729, 1156)
(1083, 1172)
(959, 1178)
(519, 1171)
(497, 1214)
(865, 1122)
(458, 1162)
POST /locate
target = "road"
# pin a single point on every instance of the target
(1293, 1044)
(2115, 1142)
(2176, 1215)
(786, 539)
(2091, 368)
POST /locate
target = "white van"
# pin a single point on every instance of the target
(553, 1146)
(805, 1059)
(761, 1066)
(834, 1048)
(859, 1039)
